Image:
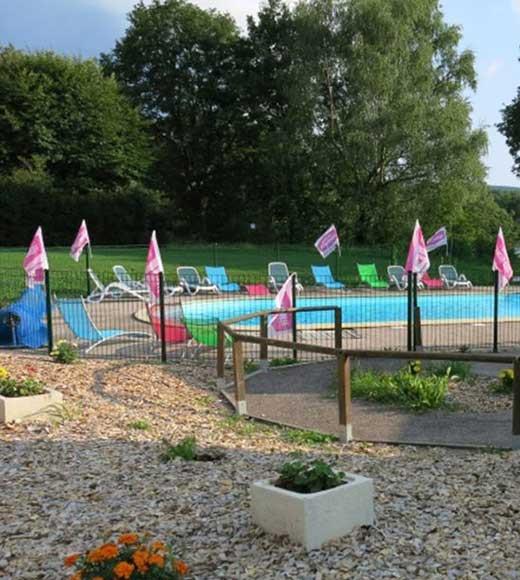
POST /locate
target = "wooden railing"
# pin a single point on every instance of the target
(343, 356)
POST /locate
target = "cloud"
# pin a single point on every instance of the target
(494, 67)
(515, 5)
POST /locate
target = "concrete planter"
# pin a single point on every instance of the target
(12, 408)
(312, 519)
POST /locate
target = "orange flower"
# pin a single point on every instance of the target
(158, 546)
(181, 567)
(71, 560)
(156, 559)
(76, 576)
(128, 539)
(140, 559)
(105, 552)
(123, 570)
(98, 578)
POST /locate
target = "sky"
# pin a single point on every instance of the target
(490, 28)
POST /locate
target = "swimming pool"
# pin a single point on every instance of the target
(365, 309)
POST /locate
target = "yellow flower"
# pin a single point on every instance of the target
(4, 373)
(123, 570)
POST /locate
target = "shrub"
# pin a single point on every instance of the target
(139, 424)
(455, 369)
(186, 449)
(10, 387)
(308, 477)
(303, 437)
(65, 352)
(415, 367)
(506, 378)
(129, 557)
(283, 361)
(413, 391)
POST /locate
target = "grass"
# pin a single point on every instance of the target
(243, 261)
(303, 437)
(456, 369)
(140, 425)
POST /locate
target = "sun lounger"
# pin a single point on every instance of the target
(368, 275)
(217, 275)
(323, 277)
(452, 279)
(278, 273)
(191, 282)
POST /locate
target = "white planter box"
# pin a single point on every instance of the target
(12, 408)
(312, 519)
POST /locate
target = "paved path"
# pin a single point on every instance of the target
(301, 396)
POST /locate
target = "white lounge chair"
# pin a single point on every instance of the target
(191, 282)
(277, 273)
(397, 277)
(113, 290)
(124, 278)
(452, 279)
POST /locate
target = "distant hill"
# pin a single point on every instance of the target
(501, 189)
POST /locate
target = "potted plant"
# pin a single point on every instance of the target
(23, 397)
(312, 503)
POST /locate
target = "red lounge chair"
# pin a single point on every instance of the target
(175, 331)
(431, 283)
(257, 290)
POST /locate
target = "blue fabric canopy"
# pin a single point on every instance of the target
(22, 323)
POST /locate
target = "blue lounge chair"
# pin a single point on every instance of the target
(23, 322)
(217, 275)
(77, 318)
(323, 277)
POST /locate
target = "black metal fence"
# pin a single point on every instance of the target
(113, 320)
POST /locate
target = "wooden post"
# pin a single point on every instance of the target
(240, 383)
(515, 439)
(338, 336)
(264, 354)
(344, 398)
(221, 350)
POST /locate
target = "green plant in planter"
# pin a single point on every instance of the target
(20, 388)
(308, 477)
(65, 352)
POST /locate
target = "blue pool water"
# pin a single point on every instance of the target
(366, 309)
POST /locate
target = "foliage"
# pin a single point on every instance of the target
(250, 366)
(304, 437)
(417, 392)
(61, 413)
(505, 382)
(415, 367)
(127, 559)
(282, 362)
(13, 387)
(308, 477)
(65, 352)
(139, 424)
(455, 369)
(186, 449)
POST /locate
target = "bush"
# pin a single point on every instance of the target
(506, 378)
(129, 557)
(413, 391)
(186, 449)
(455, 369)
(281, 362)
(65, 352)
(308, 477)
(10, 387)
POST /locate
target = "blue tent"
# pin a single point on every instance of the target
(22, 323)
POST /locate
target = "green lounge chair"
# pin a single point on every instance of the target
(368, 275)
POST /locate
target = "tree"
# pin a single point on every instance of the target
(176, 63)
(62, 116)
(510, 128)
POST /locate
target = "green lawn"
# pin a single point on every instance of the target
(242, 261)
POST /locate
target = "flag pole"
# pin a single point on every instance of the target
(87, 266)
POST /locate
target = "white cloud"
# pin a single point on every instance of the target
(494, 67)
(515, 4)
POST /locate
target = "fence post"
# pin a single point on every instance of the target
(221, 351)
(240, 383)
(294, 329)
(495, 315)
(417, 337)
(48, 306)
(162, 317)
(337, 264)
(338, 337)
(409, 305)
(215, 254)
(87, 265)
(263, 347)
(344, 398)
(515, 438)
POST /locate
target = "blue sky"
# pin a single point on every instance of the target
(491, 29)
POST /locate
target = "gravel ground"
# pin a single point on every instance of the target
(87, 475)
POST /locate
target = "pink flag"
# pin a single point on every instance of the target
(439, 238)
(35, 262)
(154, 267)
(418, 261)
(501, 262)
(327, 242)
(284, 299)
(82, 240)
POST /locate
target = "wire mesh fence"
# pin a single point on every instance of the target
(113, 317)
